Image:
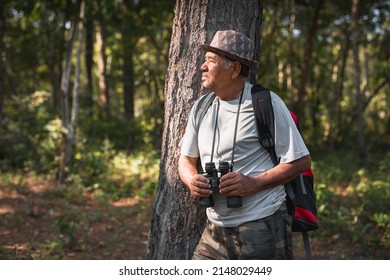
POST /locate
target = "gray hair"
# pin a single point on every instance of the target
(244, 68)
(228, 63)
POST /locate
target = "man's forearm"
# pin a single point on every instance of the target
(282, 173)
(187, 169)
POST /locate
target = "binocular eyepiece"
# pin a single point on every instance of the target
(212, 174)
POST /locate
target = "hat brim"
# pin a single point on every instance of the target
(248, 62)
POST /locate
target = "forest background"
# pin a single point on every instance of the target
(82, 110)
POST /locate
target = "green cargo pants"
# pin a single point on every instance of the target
(269, 238)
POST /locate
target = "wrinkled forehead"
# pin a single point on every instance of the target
(212, 55)
(215, 56)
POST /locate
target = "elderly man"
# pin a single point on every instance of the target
(259, 227)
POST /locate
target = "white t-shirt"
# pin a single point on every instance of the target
(250, 158)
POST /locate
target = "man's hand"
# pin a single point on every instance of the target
(237, 184)
(199, 186)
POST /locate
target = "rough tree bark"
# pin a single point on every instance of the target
(177, 221)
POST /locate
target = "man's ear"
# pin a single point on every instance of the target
(236, 69)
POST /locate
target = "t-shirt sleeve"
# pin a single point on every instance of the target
(289, 145)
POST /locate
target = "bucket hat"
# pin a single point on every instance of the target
(233, 45)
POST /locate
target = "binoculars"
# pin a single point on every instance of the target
(213, 175)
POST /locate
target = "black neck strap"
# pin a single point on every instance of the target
(215, 131)
(235, 131)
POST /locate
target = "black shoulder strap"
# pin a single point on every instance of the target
(264, 115)
(202, 107)
(265, 121)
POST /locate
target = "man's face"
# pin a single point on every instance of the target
(215, 74)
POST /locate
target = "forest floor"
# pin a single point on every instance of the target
(37, 221)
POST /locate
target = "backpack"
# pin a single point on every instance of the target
(301, 199)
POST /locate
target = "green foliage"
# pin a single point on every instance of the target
(31, 136)
(353, 202)
(100, 162)
(329, 112)
(115, 175)
(114, 159)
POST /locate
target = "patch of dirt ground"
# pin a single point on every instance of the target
(39, 221)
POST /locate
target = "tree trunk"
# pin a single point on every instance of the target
(334, 104)
(102, 65)
(54, 77)
(178, 221)
(128, 80)
(357, 76)
(291, 59)
(65, 128)
(54, 59)
(307, 57)
(2, 22)
(89, 31)
(76, 83)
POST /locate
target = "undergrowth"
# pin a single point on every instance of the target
(353, 202)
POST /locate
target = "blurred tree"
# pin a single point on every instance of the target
(128, 13)
(52, 33)
(178, 221)
(357, 81)
(68, 127)
(328, 106)
(137, 35)
(101, 40)
(307, 58)
(2, 22)
(89, 63)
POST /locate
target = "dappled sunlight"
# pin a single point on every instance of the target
(343, 191)
(6, 209)
(124, 202)
(101, 126)
(39, 220)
